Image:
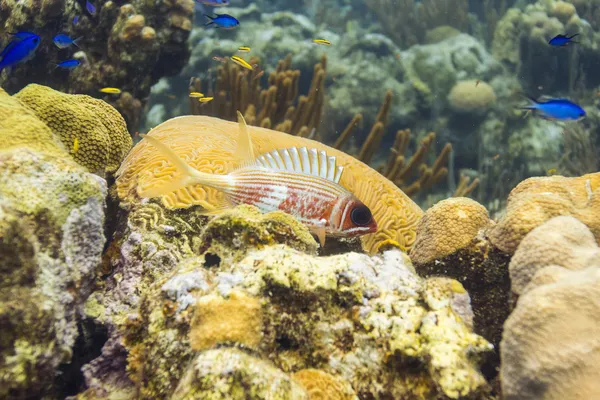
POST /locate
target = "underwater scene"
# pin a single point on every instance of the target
(300, 199)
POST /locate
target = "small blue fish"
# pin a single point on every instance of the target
(214, 3)
(19, 51)
(75, 19)
(223, 21)
(63, 41)
(562, 40)
(556, 109)
(90, 7)
(69, 64)
(22, 35)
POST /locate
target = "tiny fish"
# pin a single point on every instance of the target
(75, 145)
(215, 3)
(497, 156)
(257, 76)
(220, 59)
(477, 83)
(398, 55)
(556, 109)
(299, 181)
(90, 8)
(223, 21)
(69, 64)
(205, 99)
(75, 19)
(552, 171)
(244, 49)
(63, 41)
(172, 97)
(322, 41)
(110, 90)
(562, 40)
(18, 51)
(241, 62)
(196, 94)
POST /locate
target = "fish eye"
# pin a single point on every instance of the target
(361, 215)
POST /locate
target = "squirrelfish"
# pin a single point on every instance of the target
(556, 109)
(19, 50)
(300, 182)
(241, 62)
(110, 90)
(322, 41)
(562, 40)
(223, 21)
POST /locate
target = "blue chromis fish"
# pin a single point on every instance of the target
(22, 35)
(223, 21)
(69, 64)
(562, 40)
(556, 109)
(63, 41)
(90, 8)
(215, 3)
(19, 51)
(75, 19)
(301, 182)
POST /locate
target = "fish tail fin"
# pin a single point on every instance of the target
(76, 40)
(187, 175)
(210, 21)
(533, 103)
(571, 37)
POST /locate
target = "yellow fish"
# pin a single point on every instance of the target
(241, 62)
(75, 145)
(244, 49)
(552, 171)
(205, 99)
(196, 94)
(322, 41)
(110, 90)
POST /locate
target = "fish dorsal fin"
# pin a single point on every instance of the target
(244, 153)
(301, 160)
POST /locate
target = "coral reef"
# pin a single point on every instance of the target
(451, 241)
(547, 347)
(209, 144)
(357, 325)
(103, 140)
(536, 200)
(51, 241)
(471, 97)
(126, 45)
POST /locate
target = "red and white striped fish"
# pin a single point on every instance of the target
(301, 182)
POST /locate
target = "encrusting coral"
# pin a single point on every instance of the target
(128, 45)
(368, 325)
(451, 241)
(209, 145)
(536, 200)
(51, 241)
(550, 341)
(100, 131)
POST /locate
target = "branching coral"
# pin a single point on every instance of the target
(277, 106)
(406, 21)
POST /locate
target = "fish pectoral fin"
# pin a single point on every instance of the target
(244, 153)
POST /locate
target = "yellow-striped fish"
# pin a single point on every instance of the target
(244, 49)
(322, 41)
(110, 90)
(196, 94)
(241, 62)
(75, 145)
(205, 99)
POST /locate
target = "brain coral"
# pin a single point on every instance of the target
(536, 200)
(446, 227)
(100, 130)
(472, 97)
(562, 241)
(208, 144)
(550, 344)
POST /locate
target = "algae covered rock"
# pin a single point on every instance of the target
(184, 308)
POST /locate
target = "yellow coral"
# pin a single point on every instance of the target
(20, 127)
(236, 319)
(536, 200)
(323, 386)
(208, 144)
(446, 227)
(471, 96)
(563, 11)
(99, 128)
